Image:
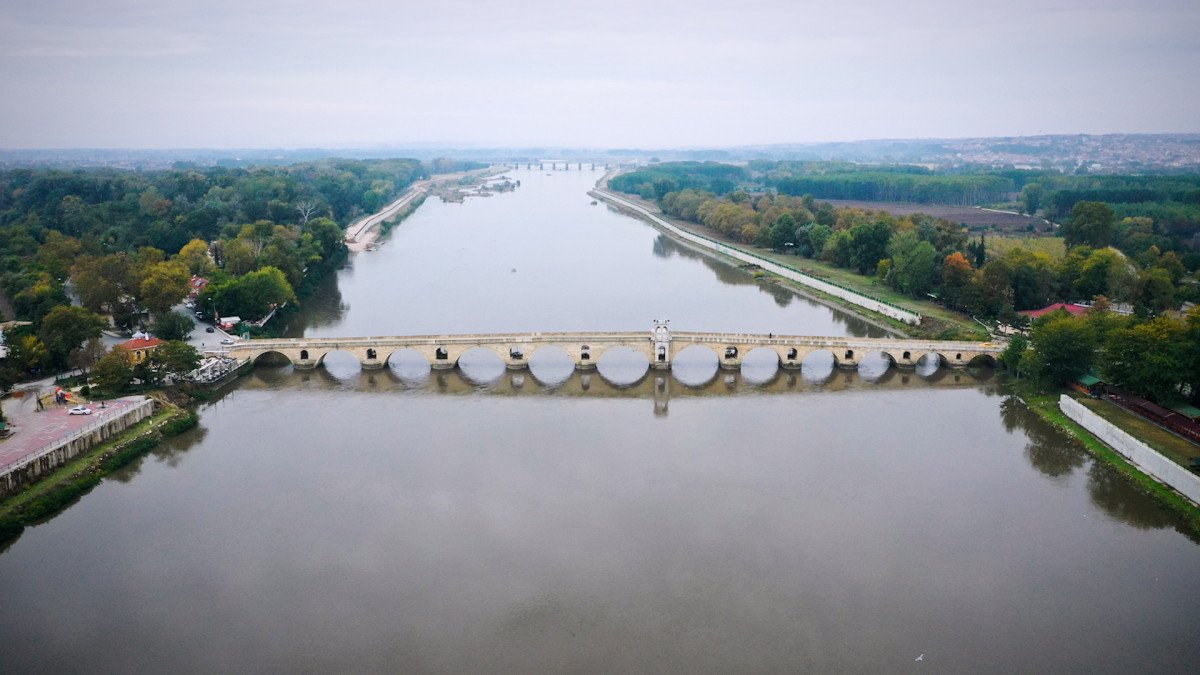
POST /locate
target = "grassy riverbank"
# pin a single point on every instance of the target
(58, 490)
(937, 322)
(1045, 405)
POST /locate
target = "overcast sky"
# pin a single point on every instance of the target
(605, 73)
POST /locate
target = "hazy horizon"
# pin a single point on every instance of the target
(131, 74)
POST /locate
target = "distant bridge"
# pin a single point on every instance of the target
(660, 347)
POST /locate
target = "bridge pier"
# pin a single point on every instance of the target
(584, 349)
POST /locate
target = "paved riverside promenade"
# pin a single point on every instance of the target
(660, 346)
(53, 432)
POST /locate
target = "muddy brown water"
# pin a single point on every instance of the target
(701, 521)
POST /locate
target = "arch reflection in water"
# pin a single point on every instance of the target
(481, 366)
(551, 365)
(659, 386)
(409, 365)
(760, 365)
(340, 364)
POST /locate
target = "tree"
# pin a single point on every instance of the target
(818, 235)
(956, 277)
(163, 285)
(868, 245)
(1014, 354)
(838, 248)
(1149, 359)
(26, 351)
(1031, 197)
(914, 264)
(194, 255)
(65, 328)
(168, 360)
(1155, 293)
(783, 232)
(1064, 348)
(113, 372)
(307, 208)
(239, 257)
(251, 296)
(172, 326)
(86, 356)
(1090, 224)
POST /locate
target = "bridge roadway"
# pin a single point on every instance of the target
(660, 347)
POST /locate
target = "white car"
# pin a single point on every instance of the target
(80, 410)
(228, 341)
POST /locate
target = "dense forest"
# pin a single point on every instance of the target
(126, 245)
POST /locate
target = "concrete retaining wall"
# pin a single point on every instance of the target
(53, 456)
(873, 304)
(1149, 460)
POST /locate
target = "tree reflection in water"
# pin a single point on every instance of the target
(1048, 450)
(1057, 455)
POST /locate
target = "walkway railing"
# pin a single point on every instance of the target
(53, 445)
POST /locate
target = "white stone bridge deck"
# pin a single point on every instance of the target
(660, 347)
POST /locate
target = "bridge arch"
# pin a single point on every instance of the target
(481, 365)
(695, 366)
(551, 365)
(761, 365)
(408, 364)
(623, 366)
(819, 366)
(340, 363)
(875, 364)
(272, 357)
(982, 360)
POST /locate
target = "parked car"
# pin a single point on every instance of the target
(80, 410)
(228, 341)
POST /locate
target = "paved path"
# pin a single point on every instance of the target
(36, 430)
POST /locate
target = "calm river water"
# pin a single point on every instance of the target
(524, 522)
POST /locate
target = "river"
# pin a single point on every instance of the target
(699, 521)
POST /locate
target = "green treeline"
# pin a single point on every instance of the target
(928, 257)
(1155, 357)
(656, 181)
(48, 218)
(128, 244)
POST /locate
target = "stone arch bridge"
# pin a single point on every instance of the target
(660, 346)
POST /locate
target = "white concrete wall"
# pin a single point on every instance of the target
(872, 304)
(1149, 460)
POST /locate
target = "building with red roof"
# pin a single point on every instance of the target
(139, 347)
(1070, 308)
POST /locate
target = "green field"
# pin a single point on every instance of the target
(998, 245)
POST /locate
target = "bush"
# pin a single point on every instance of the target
(179, 424)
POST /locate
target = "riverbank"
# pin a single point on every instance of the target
(364, 232)
(1046, 406)
(728, 254)
(47, 497)
(877, 305)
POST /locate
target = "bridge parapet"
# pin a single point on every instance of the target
(660, 347)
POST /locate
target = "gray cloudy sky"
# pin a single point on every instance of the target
(250, 73)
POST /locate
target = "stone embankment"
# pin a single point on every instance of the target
(35, 465)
